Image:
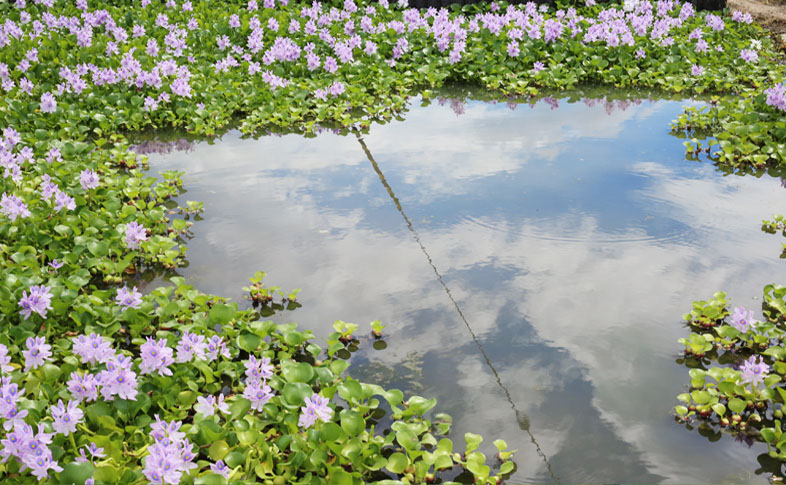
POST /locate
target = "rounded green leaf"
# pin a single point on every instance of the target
(295, 393)
(397, 463)
(297, 372)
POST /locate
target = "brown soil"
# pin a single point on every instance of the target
(770, 14)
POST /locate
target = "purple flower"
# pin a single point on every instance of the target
(336, 89)
(156, 356)
(697, 70)
(749, 55)
(39, 301)
(54, 154)
(88, 179)
(118, 379)
(38, 351)
(13, 207)
(181, 87)
(95, 451)
(66, 417)
(753, 373)
(259, 393)
(128, 299)
(401, 47)
(741, 320)
(776, 96)
(257, 370)
(744, 18)
(215, 347)
(207, 405)
(93, 348)
(316, 408)
(48, 103)
(5, 361)
(170, 455)
(513, 49)
(135, 234)
(714, 22)
(64, 201)
(151, 104)
(48, 188)
(190, 345)
(640, 54)
(41, 464)
(55, 264)
(83, 387)
(219, 468)
(537, 67)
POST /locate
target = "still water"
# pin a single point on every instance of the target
(531, 263)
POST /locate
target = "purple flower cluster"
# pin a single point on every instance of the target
(749, 55)
(776, 96)
(190, 346)
(37, 352)
(135, 234)
(128, 298)
(742, 320)
(171, 454)
(66, 417)
(316, 408)
(13, 207)
(754, 373)
(156, 356)
(5, 361)
(257, 372)
(207, 405)
(742, 17)
(83, 387)
(9, 394)
(118, 379)
(48, 103)
(88, 179)
(38, 301)
(30, 449)
(92, 349)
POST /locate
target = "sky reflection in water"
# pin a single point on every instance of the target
(531, 265)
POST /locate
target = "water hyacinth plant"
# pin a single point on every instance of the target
(102, 384)
(736, 381)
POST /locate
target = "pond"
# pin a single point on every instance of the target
(531, 263)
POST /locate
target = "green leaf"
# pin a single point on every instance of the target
(701, 397)
(76, 473)
(719, 408)
(352, 422)
(340, 477)
(297, 371)
(295, 393)
(397, 463)
(473, 441)
(506, 468)
(248, 341)
(238, 408)
(737, 405)
(221, 313)
(210, 479)
(218, 450)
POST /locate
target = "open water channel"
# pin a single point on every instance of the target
(531, 263)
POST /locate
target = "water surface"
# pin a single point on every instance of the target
(531, 263)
